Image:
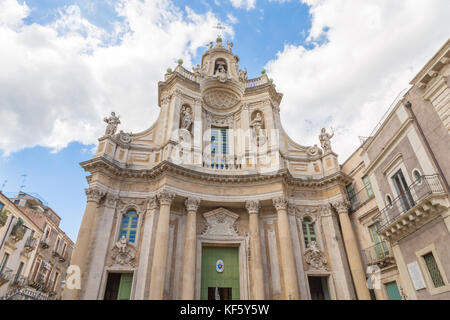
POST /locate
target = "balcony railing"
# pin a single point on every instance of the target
(31, 244)
(45, 243)
(419, 190)
(221, 162)
(378, 254)
(19, 281)
(360, 198)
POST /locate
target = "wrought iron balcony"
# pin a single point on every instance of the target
(378, 254)
(31, 244)
(5, 275)
(424, 199)
(18, 231)
(19, 281)
(45, 243)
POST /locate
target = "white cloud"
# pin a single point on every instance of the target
(373, 49)
(231, 18)
(58, 81)
(248, 4)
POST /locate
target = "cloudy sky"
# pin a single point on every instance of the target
(65, 64)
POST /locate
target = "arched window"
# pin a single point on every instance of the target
(417, 176)
(309, 233)
(129, 226)
(389, 200)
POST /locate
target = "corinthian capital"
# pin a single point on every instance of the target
(94, 194)
(111, 200)
(165, 197)
(192, 204)
(341, 206)
(252, 206)
(280, 203)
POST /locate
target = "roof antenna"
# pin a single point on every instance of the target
(24, 176)
(3, 185)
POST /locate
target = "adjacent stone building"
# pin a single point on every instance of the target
(19, 237)
(214, 200)
(46, 250)
(405, 168)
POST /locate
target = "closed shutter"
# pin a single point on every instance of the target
(126, 280)
(392, 291)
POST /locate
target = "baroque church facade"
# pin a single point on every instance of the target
(215, 201)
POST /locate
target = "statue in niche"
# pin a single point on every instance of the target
(221, 73)
(325, 138)
(186, 118)
(256, 124)
(113, 121)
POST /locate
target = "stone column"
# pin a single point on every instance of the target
(257, 273)
(161, 244)
(100, 248)
(82, 248)
(144, 255)
(353, 254)
(188, 284)
(291, 291)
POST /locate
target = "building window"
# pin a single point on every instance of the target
(368, 186)
(351, 194)
(129, 226)
(4, 262)
(389, 200)
(417, 176)
(1, 206)
(309, 234)
(219, 147)
(433, 270)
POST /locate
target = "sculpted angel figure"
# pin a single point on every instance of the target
(324, 138)
(256, 123)
(229, 45)
(122, 244)
(243, 75)
(112, 122)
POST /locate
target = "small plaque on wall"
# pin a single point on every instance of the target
(416, 275)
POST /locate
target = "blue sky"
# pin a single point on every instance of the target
(68, 63)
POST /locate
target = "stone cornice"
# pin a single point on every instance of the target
(115, 168)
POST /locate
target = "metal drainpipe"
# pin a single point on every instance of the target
(409, 108)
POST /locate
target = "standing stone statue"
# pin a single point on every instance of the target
(112, 122)
(324, 138)
(230, 45)
(186, 119)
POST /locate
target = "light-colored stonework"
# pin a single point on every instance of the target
(253, 197)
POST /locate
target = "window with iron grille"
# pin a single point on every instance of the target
(351, 194)
(433, 270)
(309, 234)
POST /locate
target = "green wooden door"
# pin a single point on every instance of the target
(229, 278)
(392, 291)
(126, 280)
